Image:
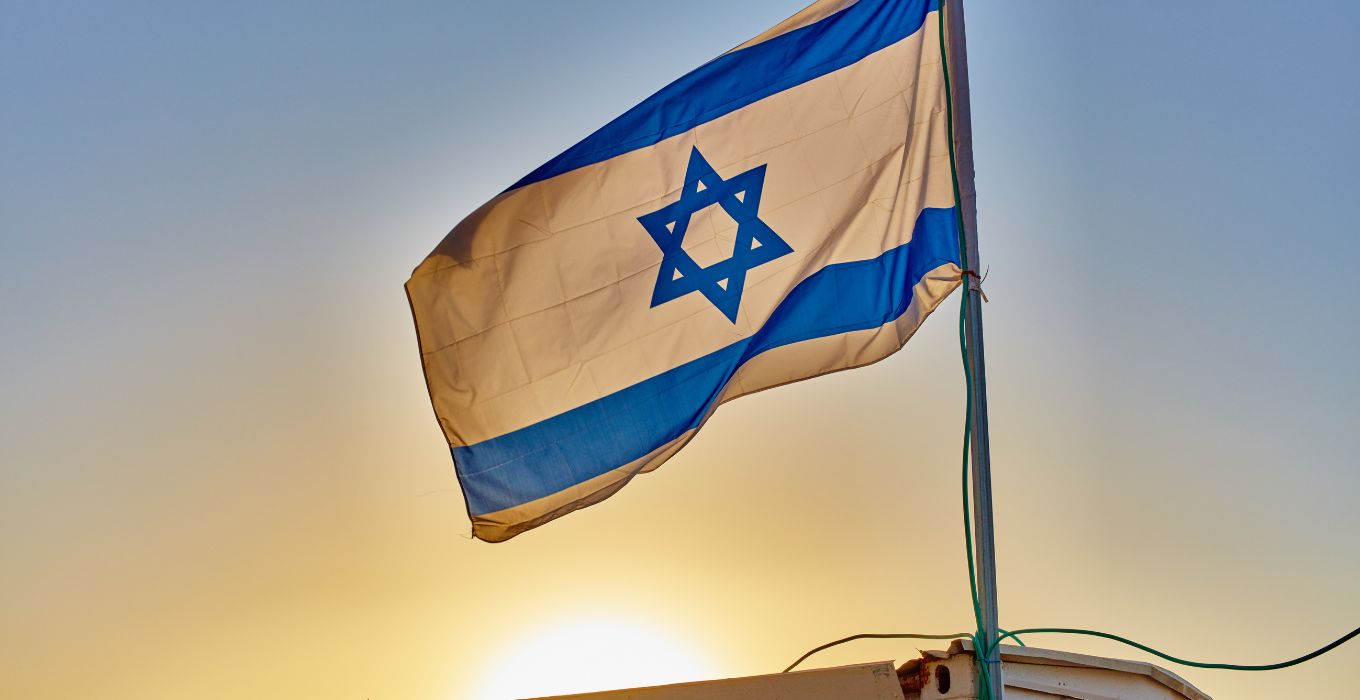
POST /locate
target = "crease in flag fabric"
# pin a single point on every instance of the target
(784, 211)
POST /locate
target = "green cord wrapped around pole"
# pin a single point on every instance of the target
(982, 572)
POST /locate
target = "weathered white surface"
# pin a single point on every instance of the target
(1048, 674)
(1030, 674)
(876, 681)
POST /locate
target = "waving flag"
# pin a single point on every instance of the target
(784, 211)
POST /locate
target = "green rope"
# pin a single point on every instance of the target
(1183, 662)
(984, 689)
(853, 637)
(984, 680)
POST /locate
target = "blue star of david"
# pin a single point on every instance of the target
(756, 244)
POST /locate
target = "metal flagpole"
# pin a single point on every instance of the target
(983, 542)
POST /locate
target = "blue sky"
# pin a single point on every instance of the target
(214, 435)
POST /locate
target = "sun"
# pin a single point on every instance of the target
(588, 654)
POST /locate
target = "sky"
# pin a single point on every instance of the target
(220, 476)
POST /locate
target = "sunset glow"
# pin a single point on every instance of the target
(586, 654)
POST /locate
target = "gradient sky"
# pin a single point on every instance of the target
(220, 476)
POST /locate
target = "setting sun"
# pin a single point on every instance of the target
(588, 654)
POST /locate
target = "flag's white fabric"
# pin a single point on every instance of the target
(784, 211)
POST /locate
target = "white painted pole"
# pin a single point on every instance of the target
(984, 548)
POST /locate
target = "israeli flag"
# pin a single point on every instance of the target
(784, 211)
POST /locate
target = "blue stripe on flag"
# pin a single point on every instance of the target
(737, 79)
(567, 449)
